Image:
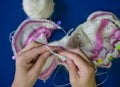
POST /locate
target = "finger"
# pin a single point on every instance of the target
(80, 52)
(77, 59)
(34, 52)
(39, 64)
(30, 46)
(72, 70)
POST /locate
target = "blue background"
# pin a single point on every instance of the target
(71, 13)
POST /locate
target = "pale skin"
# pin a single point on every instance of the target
(31, 59)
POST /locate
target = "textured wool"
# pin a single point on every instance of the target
(38, 9)
(98, 37)
(35, 30)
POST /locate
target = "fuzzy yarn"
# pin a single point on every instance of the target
(98, 37)
(38, 9)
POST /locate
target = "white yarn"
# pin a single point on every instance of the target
(62, 58)
(102, 73)
(103, 81)
(11, 36)
(53, 80)
(38, 9)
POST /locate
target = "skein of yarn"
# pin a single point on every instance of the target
(38, 9)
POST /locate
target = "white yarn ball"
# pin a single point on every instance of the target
(38, 9)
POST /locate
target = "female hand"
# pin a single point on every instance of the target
(29, 63)
(81, 69)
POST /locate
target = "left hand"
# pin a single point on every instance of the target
(29, 63)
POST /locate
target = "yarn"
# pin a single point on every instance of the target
(98, 37)
(54, 76)
(62, 58)
(38, 9)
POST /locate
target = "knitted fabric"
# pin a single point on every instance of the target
(98, 37)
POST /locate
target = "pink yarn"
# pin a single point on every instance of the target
(37, 33)
(99, 38)
(102, 14)
(41, 30)
(31, 30)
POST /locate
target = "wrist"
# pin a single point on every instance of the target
(21, 83)
(15, 84)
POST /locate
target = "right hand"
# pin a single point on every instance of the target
(81, 69)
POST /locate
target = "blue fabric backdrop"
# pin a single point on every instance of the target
(71, 13)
